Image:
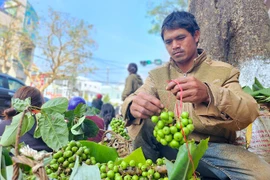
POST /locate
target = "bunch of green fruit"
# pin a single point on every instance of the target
(63, 161)
(134, 171)
(169, 130)
(118, 126)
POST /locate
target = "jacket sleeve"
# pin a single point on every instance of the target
(128, 88)
(147, 87)
(229, 104)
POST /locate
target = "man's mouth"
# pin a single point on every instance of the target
(178, 53)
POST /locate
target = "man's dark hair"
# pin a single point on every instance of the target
(132, 68)
(180, 19)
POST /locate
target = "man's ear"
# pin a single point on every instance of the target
(197, 36)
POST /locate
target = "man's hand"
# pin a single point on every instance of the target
(144, 106)
(194, 91)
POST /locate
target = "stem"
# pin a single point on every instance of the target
(19, 133)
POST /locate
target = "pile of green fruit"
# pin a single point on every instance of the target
(134, 171)
(118, 126)
(172, 131)
(63, 161)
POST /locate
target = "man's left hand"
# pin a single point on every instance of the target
(194, 91)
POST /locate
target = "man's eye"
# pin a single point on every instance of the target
(168, 42)
(181, 38)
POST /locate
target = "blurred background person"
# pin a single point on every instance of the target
(97, 102)
(107, 113)
(133, 81)
(36, 100)
(73, 103)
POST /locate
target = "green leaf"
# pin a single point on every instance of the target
(85, 172)
(37, 133)
(2, 164)
(80, 110)
(59, 105)
(183, 168)
(257, 85)
(10, 173)
(9, 135)
(102, 153)
(76, 129)
(90, 128)
(247, 89)
(20, 105)
(53, 129)
(137, 155)
(6, 156)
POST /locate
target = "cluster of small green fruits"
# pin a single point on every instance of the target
(118, 126)
(60, 167)
(169, 130)
(134, 171)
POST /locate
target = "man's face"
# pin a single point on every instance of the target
(181, 45)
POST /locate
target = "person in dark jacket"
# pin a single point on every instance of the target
(36, 100)
(107, 113)
(97, 103)
(133, 81)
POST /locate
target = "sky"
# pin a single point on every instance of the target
(120, 32)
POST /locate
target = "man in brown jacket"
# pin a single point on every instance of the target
(211, 94)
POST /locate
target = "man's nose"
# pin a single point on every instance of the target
(175, 45)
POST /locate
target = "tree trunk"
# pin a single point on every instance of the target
(235, 31)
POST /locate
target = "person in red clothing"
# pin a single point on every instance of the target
(73, 103)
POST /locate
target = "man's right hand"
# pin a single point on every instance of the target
(145, 105)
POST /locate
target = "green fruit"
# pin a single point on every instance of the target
(168, 138)
(178, 136)
(164, 116)
(184, 121)
(171, 114)
(160, 124)
(110, 174)
(166, 130)
(173, 129)
(154, 119)
(123, 165)
(185, 115)
(132, 163)
(149, 162)
(190, 127)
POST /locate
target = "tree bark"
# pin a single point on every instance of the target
(233, 31)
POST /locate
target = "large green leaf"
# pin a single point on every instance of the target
(90, 128)
(53, 130)
(20, 105)
(59, 105)
(183, 168)
(9, 135)
(137, 156)
(84, 172)
(102, 153)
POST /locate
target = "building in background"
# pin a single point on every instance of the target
(85, 88)
(21, 12)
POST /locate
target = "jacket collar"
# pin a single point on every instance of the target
(197, 61)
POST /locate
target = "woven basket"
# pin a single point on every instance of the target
(122, 146)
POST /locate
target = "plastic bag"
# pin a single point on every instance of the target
(259, 141)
